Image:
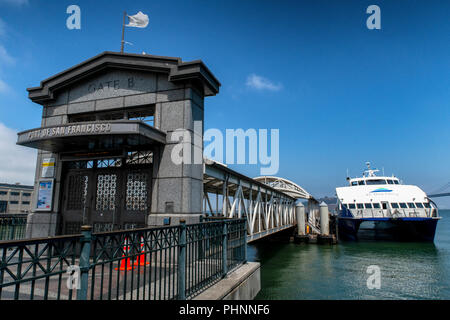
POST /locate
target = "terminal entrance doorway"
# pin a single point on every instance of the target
(108, 194)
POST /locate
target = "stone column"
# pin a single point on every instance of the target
(178, 187)
(44, 223)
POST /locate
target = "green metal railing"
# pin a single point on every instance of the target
(12, 226)
(172, 262)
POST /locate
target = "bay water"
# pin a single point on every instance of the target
(311, 271)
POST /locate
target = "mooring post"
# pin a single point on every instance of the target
(324, 219)
(182, 262)
(86, 231)
(224, 248)
(301, 222)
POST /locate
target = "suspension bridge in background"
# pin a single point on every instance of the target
(443, 191)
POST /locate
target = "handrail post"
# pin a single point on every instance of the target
(86, 231)
(224, 248)
(182, 262)
(201, 253)
(245, 240)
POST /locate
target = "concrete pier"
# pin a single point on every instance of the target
(244, 283)
(301, 235)
(324, 237)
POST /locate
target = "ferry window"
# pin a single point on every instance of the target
(403, 205)
(351, 206)
(360, 206)
(427, 205)
(395, 181)
(411, 205)
(376, 181)
(354, 183)
(376, 206)
(390, 182)
(394, 205)
(361, 182)
(368, 205)
(419, 205)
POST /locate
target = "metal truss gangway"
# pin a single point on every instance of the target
(268, 206)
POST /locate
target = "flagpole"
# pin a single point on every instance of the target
(123, 32)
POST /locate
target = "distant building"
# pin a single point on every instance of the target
(15, 198)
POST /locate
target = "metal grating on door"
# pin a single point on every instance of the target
(106, 192)
(109, 194)
(137, 199)
(77, 191)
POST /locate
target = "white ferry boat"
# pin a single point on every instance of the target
(382, 208)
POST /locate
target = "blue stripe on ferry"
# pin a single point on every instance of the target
(386, 219)
(381, 190)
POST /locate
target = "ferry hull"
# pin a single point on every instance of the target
(400, 229)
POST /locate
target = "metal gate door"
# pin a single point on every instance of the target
(105, 203)
(75, 200)
(107, 194)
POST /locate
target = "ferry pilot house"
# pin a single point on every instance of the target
(104, 145)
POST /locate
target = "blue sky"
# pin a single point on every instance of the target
(340, 94)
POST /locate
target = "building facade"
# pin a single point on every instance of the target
(15, 198)
(110, 126)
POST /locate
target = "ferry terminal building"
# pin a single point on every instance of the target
(105, 144)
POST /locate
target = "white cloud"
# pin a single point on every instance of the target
(17, 163)
(4, 88)
(5, 57)
(260, 83)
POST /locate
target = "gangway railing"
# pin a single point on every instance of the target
(313, 228)
(229, 194)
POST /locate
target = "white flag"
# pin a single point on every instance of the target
(139, 20)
